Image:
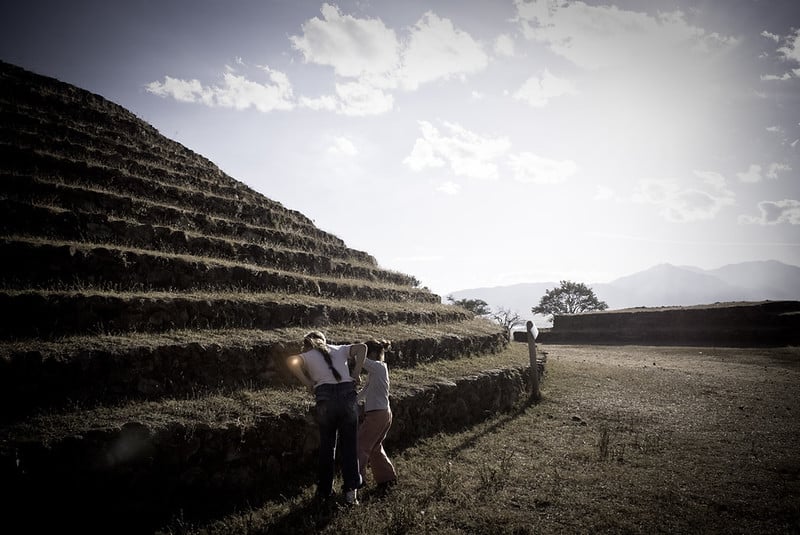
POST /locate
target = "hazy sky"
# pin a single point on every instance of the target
(469, 143)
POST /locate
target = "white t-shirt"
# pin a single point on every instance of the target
(319, 370)
(375, 393)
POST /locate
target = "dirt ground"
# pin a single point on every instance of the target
(664, 439)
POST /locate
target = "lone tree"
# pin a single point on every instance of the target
(569, 298)
(478, 307)
(507, 318)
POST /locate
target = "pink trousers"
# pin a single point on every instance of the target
(371, 433)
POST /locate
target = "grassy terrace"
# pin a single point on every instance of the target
(98, 200)
(70, 138)
(47, 263)
(59, 225)
(89, 370)
(115, 176)
(111, 129)
(241, 407)
(63, 347)
(44, 314)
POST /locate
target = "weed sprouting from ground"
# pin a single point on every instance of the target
(603, 443)
(443, 480)
(493, 473)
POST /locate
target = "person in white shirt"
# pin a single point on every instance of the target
(377, 416)
(324, 369)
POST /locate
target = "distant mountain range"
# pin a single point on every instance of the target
(661, 285)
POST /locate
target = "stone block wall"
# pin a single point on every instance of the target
(746, 324)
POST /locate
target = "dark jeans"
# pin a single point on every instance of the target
(337, 414)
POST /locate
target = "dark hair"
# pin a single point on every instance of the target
(376, 347)
(316, 340)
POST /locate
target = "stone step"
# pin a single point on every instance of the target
(109, 369)
(50, 314)
(61, 112)
(23, 219)
(43, 264)
(122, 178)
(36, 191)
(146, 462)
(36, 129)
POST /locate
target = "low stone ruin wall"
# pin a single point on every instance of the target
(758, 324)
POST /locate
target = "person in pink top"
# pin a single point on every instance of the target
(377, 416)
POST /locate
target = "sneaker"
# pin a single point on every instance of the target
(351, 497)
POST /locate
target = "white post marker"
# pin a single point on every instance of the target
(533, 332)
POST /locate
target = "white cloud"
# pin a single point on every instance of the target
(449, 188)
(790, 51)
(752, 175)
(342, 147)
(370, 55)
(594, 37)
(775, 212)
(754, 172)
(776, 168)
(504, 45)
(686, 204)
(530, 168)
(236, 92)
(423, 155)
(182, 90)
(241, 93)
(537, 91)
(770, 35)
(366, 56)
(360, 99)
(466, 153)
(775, 77)
(325, 102)
(351, 46)
(438, 50)
(353, 99)
(368, 50)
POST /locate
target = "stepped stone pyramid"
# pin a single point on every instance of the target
(148, 302)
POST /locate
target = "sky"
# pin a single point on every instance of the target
(469, 143)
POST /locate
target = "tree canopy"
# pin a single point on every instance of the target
(478, 307)
(569, 298)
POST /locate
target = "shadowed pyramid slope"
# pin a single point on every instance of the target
(147, 303)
